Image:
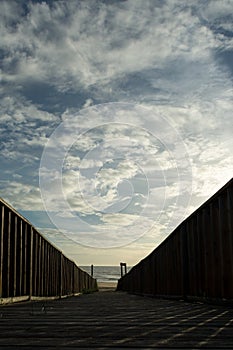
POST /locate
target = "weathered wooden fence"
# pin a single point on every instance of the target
(30, 266)
(196, 260)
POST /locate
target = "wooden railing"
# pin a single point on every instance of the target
(30, 266)
(196, 260)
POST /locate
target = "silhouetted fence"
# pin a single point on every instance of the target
(31, 266)
(195, 260)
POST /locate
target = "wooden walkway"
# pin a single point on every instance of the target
(115, 320)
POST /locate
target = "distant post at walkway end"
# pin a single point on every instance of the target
(92, 270)
(123, 265)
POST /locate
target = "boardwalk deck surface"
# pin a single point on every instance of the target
(108, 319)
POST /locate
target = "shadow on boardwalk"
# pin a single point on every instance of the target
(116, 320)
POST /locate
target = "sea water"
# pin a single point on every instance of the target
(105, 273)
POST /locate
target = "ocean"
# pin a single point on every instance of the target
(105, 273)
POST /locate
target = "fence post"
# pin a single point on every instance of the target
(123, 265)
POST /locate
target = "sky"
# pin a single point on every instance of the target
(115, 119)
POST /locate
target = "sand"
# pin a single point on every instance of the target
(107, 285)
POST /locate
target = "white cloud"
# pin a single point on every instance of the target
(119, 219)
(21, 196)
(88, 103)
(217, 10)
(73, 51)
(21, 115)
(164, 55)
(90, 163)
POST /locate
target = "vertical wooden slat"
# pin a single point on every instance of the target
(1, 250)
(8, 255)
(19, 257)
(53, 270)
(46, 268)
(204, 271)
(47, 253)
(209, 271)
(31, 280)
(218, 229)
(50, 272)
(193, 256)
(185, 262)
(36, 262)
(215, 249)
(57, 273)
(25, 259)
(229, 213)
(60, 274)
(224, 231)
(15, 233)
(39, 265)
(200, 255)
(42, 267)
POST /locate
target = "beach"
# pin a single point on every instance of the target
(107, 286)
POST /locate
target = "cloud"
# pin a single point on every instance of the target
(173, 58)
(21, 196)
(56, 43)
(220, 14)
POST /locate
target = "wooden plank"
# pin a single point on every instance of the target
(115, 320)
